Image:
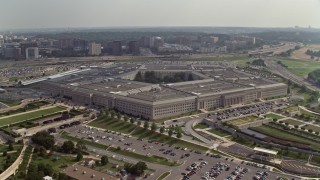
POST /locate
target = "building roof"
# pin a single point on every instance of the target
(267, 151)
(77, 171)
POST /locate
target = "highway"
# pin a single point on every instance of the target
(285, 73)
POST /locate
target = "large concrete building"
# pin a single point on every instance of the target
(32, 53)
(211, 88)
(94, 49)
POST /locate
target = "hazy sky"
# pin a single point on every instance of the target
(110, 13)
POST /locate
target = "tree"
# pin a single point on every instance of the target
(11, 147)
(140, 167)
(118, 116)
(125, 118)
(170, 133)
(67, 147)
(179, 135)
(104, 160)
(146, 125)
(81, 146)
(154, 127)
(136, 169)
(139, 123)
(112, 113)
(310, 130)
(162, 130)
(46, 169)
(132, 120)
(4, 153)
(79, 156)
(44, 139)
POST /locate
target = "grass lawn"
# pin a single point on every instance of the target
(113, 125)
(14, 155)
(201, 126)
(10, 102)
(284, 135)
(292, 122)
(219, 132)
(299, 67)
(273, 116)
(150, 135)
(29, 115)
(151, 159)
(291, 109)
(309, 114)
(58, 163)
(163, 176)
(125, 127)
(108, 167)
(244, 120)
(314, 128)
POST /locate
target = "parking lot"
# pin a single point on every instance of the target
(258, 109)
(184, 156)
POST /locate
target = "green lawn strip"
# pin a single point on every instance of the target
(155, 136)
(175, 117)
(25, 159)
(109, 167)
(113, 125)
(125, 127)
(29, 116)
(312, 127)
(274, 116)
(163, 176)
(243, 120)
(219, 132)
(58, 163)
(10, 102)
(201, 126)
(286, 136)
(293, 122)
(28, 107)
(309, 113)
(151, 159)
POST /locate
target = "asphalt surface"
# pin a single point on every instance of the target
(153, 148)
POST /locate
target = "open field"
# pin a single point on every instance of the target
(314, 128)
(244, 120)
(298, 67)
(285, 136)
(300, 54)
(292, 122)
(29, 115)
(274, 116)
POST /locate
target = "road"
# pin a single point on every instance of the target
(285, 73)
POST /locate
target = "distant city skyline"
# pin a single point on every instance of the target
(17, 14)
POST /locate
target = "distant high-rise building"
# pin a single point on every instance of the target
(11, 51)
(26, 45)
(66, 43)
(94, 49)
(79, 44)
(133, 47)
(32, 53)
(117, 48)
